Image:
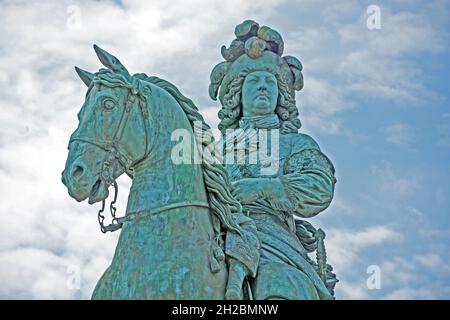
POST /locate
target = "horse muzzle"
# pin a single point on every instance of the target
(79, 183)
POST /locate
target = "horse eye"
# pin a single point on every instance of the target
(109, 104)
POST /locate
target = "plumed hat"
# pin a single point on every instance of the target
(254, 49)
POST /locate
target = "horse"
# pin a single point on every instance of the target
(171, 240)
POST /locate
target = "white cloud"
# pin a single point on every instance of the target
(397, 270)
(342, 58)
(436, 234)
(401, 278)
(429, 260)
(340, 206)
(47, 231)
(352, 290)
(394, 185)
(398, 134)
(376, 65)
(344, 245)
(434, 262)
(408, 277)
(411, 294)
(344, 248)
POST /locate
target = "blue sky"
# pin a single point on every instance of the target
(377, 101)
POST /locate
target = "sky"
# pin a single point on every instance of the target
(375, 99)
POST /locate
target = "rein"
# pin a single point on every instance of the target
(117, 223)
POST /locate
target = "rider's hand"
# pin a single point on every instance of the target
(249, 190)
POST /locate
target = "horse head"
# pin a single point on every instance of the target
(112, 134)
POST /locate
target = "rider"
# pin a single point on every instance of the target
(257, 92)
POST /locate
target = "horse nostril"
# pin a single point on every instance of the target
(77, 172)
(63, 180)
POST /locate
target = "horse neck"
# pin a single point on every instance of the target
(158, 181)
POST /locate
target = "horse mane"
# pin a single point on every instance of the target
(218, 186)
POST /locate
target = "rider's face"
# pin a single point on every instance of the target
(259, 94)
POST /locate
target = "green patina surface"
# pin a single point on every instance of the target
(207, 230)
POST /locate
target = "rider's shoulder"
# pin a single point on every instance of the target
(301, 141)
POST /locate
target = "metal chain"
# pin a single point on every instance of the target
(101, 218)
(112, 208)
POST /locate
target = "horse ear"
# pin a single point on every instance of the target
(85, 76)
(109, 61)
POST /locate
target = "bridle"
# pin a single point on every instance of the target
(114, 153)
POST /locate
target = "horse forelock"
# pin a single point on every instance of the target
(111, 79)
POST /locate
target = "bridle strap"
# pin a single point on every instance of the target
(111, 147)
(113, 152)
